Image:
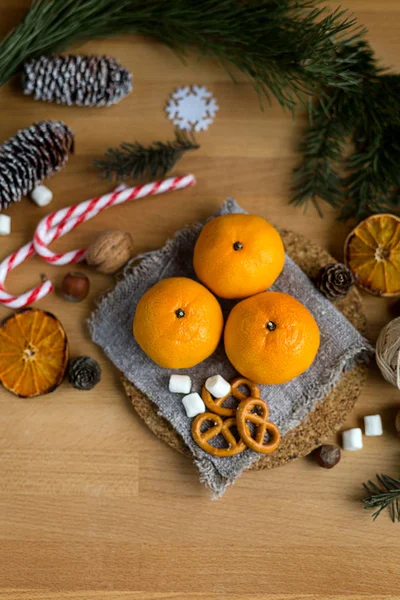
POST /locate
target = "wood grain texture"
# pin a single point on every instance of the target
(92, 505)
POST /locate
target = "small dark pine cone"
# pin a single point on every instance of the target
(335, 281)
(76, 80)
(30, 156)
(84, 373)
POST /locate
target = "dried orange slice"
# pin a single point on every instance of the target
(33, 353)
(372, 253)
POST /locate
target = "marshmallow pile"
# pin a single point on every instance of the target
(219, 387)
(192, 401)
(352, 438)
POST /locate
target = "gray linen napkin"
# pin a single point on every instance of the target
(111, 327)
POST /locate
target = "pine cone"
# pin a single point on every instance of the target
(30, 156)
(335, 281)
(84, 373)
(79, 80)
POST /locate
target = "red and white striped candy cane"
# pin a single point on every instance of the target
(61, 222)
(11, 262)
(15, 259)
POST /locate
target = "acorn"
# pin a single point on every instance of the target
(75, 286)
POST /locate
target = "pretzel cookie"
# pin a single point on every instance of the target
(245, 414)
(215, 405)
(202, 438)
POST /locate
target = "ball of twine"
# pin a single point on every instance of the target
(388, 352)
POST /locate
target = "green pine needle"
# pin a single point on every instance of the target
(137, 161)
(284, 47)
(382, 496)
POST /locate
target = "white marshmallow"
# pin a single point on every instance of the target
(5, 225)
(180, 384)
(373, 425)
(218, 386)
(193, 404)
(352, 439)
(41, 195)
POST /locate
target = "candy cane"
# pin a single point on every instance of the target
(15, 259)
(61, 222)
(11, 262)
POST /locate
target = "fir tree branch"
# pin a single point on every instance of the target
(284, 47)
(137, 161)
(382, 496)
(368, 116)
(322, 149)
(374, 175)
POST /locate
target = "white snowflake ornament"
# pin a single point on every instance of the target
(192, 108)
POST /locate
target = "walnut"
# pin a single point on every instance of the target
(110, 251)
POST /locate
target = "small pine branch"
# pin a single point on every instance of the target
(382, 496)
(137, 161)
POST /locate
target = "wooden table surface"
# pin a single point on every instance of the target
(92, 505)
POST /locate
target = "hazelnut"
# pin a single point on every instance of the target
(75, 286)
(110, 251)
(397, 423)
(327, 456)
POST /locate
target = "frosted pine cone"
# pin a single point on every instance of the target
(32, 155)
(76, 80)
